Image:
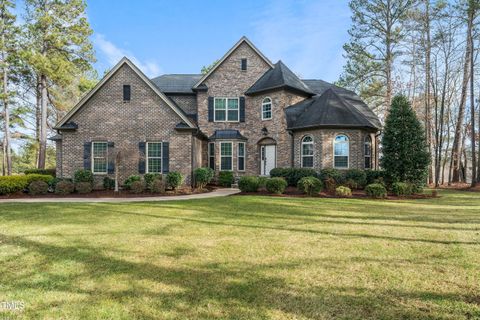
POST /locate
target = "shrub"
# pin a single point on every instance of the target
(39, 177)
(157, 186)
(248, 184)
(276, 185)
(376, 176)
(49, 172)
(416, 188)
(310, 185)
(131, 179)
(262, 182)
(12, 184)
(64, 187)
(203, 176)
(37, 187)
(83, 187)
(108, 183)
(292, 175)
(83, 175)
(376, 190)
(149, 178)
(174, 180)
(137, 187)
(332, 173)
(343, 192)
(330, 185)
(356, 177)
(225, 178)
(402, 189)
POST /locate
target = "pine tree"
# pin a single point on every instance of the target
(405, 153)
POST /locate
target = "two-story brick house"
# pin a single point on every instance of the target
(245, 115)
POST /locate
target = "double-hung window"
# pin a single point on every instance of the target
(368, 152)
(226, 156)
(226, 110)
(154, 157)
(211, 155)
(307, 152)
(341, 151)
(241, 156)
(99, 157)
(267, 109)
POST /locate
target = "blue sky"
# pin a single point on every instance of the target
(182, 36)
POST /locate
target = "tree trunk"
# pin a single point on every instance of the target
(471, 15)
(428, 133)
(38, 115)
(7, 148)
(42, 153)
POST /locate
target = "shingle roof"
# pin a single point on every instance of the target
(57, 137)
(68, 126)
(227, 134)
(280, 76)
(327, 110)
(176, 83)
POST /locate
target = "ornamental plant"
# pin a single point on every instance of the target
(310, 185)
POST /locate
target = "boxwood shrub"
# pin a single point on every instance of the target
(310, 185)
(108, 183)
(332, 173)
(12, 184)
(37, 187)
(357, 178)
(174, 180)
(137, 187)
(131, 179)
(149, 178)
(83, 175)
(225, 178)
(276, 185)
(402, 189)
(249, 184)
(203, 176)
(158, 186)
(39, 177)
(50, 172)
(376, 176)
(343, 191)
(292, 175)
(64, 187)
(376, 190)
(83, 187)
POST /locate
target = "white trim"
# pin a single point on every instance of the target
(271, 108)
(210, 144)
(262, 147)
(161, 156)
(226, 109)
(301, 151)
(92, 158)
(123, 61)
(229, 52)
(244, 156)
(348, 150)
(220, 150)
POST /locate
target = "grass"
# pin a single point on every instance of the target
(244, 257)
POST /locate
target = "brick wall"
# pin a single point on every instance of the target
(188, 103)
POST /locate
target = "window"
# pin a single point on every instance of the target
(211, 155)
(226, 156)
(99, 157)
(244, 64)
(241, 156)
(307, 152)
(226, 109)
(368, 152)
(154, 157)
(267, 109)
(341, 151)
(126, 92)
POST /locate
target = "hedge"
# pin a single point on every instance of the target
(276, 185)
(12, 184)
(292, 175)
(376, 190)
(248, 184)
(50, 172)
(225, 178)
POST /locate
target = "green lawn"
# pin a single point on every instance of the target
(244, 257)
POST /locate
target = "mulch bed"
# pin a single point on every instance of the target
(292, 192)
(109, 194)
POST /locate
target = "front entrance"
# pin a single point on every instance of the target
(268, 159)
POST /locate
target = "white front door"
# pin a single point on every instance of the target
(268, 159)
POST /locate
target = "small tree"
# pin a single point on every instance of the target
(405, 153)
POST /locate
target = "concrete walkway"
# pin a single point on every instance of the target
(214, 194)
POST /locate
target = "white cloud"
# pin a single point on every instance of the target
(306, 35)
(113, 54)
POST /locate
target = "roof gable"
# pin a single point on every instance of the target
(229, 52)
(100, 84)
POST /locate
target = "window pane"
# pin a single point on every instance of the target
(307, 162)
(226, 149)
(307, 149)
(99, 165)
(341, 138)
(226, 163)
(154, 149)
(232, 115)
(99, 149)
(341, 162)
(154, 165)
(241, 149)
(368, 149)
(220, 115)
(307, 139)
(211, 149)
(341, 149)
(232, 104)
(368, 162)
(220, 103)
(241, 164)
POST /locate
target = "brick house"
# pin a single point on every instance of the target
(245, 115)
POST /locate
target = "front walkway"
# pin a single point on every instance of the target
(214, 194)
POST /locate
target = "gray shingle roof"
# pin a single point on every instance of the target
(57, 137)
(328, 110)
(227, 134)
(279, 77)
(176, 83)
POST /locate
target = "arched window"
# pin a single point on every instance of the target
(368, 152)
(307, 152)
(341, 151)
(267, 109)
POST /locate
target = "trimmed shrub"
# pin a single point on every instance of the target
(310, 185)
(416, 188)
(248, 184)
(376, 190)
(356, 177)
(38, 187)
(262, 182)
(158, 186)
(150, 177)
(83, 175)
(225, 178)
(64, 187)
(108, 183)
(12, 184)
(292, 175)
(376, 176)
(137, 187)
(49, 172)
(39, 177)
(330, 185)
(276, 185)
(203, 176)
(174, 180)
(332, 173)
(401, 189)
(83, 187)
(343, 192)
(131, 179)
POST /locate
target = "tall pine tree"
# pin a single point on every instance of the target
(405, 153)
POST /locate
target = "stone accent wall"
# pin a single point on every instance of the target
(323, 147)
(106, 117)
(188, 103)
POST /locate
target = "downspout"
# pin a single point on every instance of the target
(292, 149)
(192, 157)
(377, 149)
